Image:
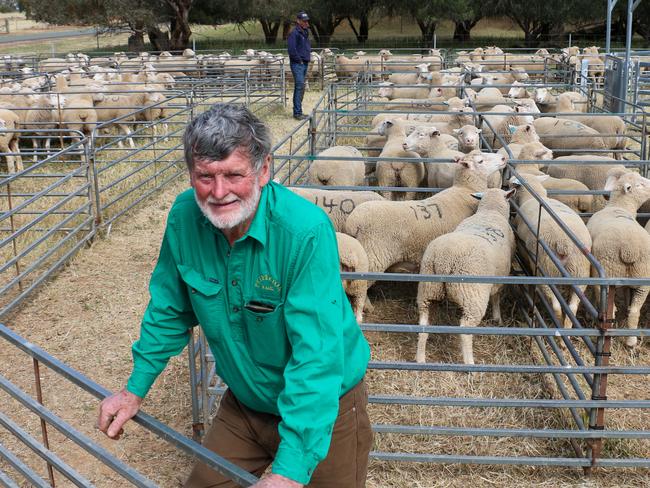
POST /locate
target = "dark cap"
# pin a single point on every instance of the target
(302, 15)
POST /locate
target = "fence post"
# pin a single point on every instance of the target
(39, 398)
(599, 386)
(89, 150)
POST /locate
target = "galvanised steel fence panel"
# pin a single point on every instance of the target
(46, 218)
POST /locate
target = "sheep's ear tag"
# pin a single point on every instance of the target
(512, 128)
(478, 195)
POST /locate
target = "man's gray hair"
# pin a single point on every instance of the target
(217, 133)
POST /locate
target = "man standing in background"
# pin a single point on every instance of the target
(299, 55)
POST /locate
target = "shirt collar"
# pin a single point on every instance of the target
(258, 228)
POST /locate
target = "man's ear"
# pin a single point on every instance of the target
(265, 171)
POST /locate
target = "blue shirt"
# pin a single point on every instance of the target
(298, 45)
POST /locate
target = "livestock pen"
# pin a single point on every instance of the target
(540, 394)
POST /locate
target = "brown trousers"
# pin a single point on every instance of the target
(250, 439)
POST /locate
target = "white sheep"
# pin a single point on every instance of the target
(428, 142)
(482, 244)
(568, 136)
(9, 121)
(583, 170)
(620, 244)
(548, 102)
(520, 135)
(469, 138)
(330, 172)
(399, 232)
(337, 204)
(395, 172)
(353, 258)
(544, 227)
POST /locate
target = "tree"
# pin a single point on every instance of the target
(361, 10)
(427, 14)
(465, 14)
(137, 16)
(540, 19)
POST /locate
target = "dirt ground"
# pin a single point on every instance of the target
(88, 316)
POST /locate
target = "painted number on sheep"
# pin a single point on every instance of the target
(424, 211)
(346, 205)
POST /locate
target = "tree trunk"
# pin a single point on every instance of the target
(462, 29)
(286, 28)
(428, 29)
(323, 31)
(270, 28)
(362, 33)
(158, 39)
(135, 42)
(180, 31)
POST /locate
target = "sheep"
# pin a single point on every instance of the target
(348, 67)
(520, 135)
(531, 151)
(610, 127)
(518, 90)
(398, 232)
(469, 138)
(428, 142)
(454, 105)
(9, 121)
(627, 257)
(376, 142)
(579, 203)
(568, 136)
(388, 90)
(488, 98)
(337, 204)
(338, 172)
(397, 173)
(545, 227)
(592, 175)
(500, 123)
(482, 244)
(410, 78)
(353, 258)
(548, 103)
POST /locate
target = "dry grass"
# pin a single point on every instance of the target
(89, 316)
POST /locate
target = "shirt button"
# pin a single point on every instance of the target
(234, 282)
(235, 309)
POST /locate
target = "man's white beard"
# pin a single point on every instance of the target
(233, 218)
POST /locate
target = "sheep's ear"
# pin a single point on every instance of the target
(540, 153)
(456, 131)
(527, 129)
(511, 193)
(478, 195)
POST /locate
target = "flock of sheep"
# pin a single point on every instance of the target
(468, 121)
(76, 94)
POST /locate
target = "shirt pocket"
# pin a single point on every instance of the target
(207, 300)
(266, 336)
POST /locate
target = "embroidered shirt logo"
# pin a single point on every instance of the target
(268, 283)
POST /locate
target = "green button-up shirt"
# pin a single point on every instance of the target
(294, 361)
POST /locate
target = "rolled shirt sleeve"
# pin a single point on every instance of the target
(314, 311)
(164, 330)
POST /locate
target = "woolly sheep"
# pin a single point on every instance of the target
(568, 136)
(330, 172)
(592, 175)
(391, 92)
(520, 135)
(398, 232)
(548, 102)
(376, 142)
(353, 258)
(337, 204)
(610, 127)
(397, 173)
(627, 257)
(9, 121)
(428, 142)
(482, 244)
(469, 138)
(544, 227)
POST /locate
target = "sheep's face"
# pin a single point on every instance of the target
(419, 139)
(629, 183)
(385, 127)
(482, 163)
(541, 95)
(496, 199)
(519, 74)
(385, 91)
(468, 136)
(535, 151)
(525, 133)
(517, 90)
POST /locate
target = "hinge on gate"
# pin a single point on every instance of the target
(598, 397)
(597, 427)
(604, 354)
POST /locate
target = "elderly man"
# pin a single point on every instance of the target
(299, 49)
(257, 266)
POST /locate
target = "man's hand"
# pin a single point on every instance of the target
(116, 410)
(276, 481)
